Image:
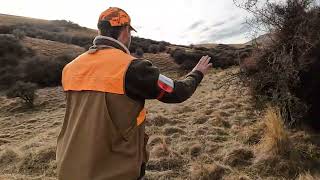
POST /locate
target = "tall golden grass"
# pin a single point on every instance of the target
(307, 176)
(275, 139)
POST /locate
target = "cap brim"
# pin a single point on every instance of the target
(133, 29)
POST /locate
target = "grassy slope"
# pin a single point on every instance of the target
(12, 20)
(215, 134)
(51, 48)
(47, 47)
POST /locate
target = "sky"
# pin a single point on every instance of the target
(176, 21)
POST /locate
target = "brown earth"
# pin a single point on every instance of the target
(213, 135)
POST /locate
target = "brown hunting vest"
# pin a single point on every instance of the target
(103, 131)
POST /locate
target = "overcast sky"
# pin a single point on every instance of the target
(177, 21)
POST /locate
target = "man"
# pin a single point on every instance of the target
(103, 134)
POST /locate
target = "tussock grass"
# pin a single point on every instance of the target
(275, 139)
(308, 176)
(207, 171)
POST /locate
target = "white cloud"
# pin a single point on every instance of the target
(160, 20)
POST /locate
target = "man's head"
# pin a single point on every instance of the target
(115, 23)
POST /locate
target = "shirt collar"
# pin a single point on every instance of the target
(105, 42)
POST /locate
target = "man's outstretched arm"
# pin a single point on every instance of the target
(144, 81)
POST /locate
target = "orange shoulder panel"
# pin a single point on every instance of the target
(102, 71)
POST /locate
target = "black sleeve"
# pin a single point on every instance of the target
(141, 82)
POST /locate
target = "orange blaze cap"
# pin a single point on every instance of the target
(116, 17)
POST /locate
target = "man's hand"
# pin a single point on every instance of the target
(203, 65)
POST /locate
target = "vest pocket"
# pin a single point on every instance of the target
(126, 114)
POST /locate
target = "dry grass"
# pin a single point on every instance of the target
(192, 140)
(12, 20)
(215, 45)
(51, 48)
(275, 140)
(207, 172)
(239, 157)
(163, 61)
(308, 176)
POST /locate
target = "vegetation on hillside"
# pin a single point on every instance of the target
(66, 32)
(223, 56)
(22, 69)
(286, 72)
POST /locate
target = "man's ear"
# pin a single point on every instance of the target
(124, 31)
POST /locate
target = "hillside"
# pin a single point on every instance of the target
(6, 19)
(51, 48)
(163, 61)
(264, 39)
(215, 134)
(9, 20)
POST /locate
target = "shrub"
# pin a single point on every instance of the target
(53, 32)
(201, 48)
(44, 71)
(12, 53)
(162, 47)
(23, 90)
(178, 55)
(12, 45)
(288, 69)
(5, 29)
(139, 52)
(222, 56)
(154, 49)
(19, 34)
(8, 76)
(145, 44)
